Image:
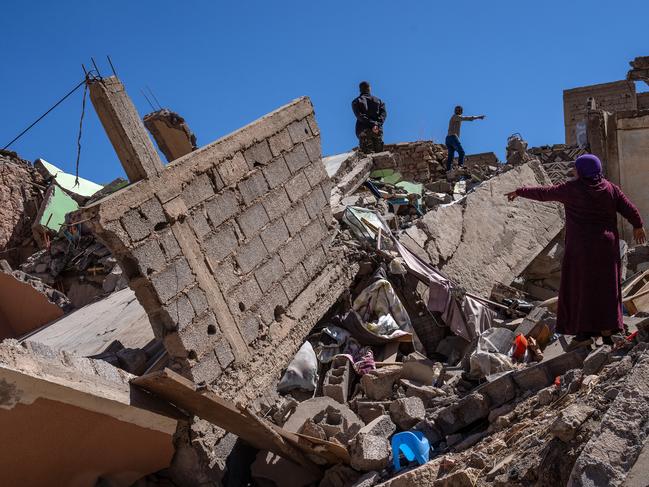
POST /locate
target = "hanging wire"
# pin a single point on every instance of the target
(45, 114)
(83, 111)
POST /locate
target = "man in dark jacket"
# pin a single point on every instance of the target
(370, 115)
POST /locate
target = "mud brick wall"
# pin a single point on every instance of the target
(418, 161)
(224, 240)
(612, 97)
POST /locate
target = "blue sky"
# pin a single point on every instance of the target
(223, 64)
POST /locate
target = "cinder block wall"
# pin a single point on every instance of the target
(612, 97)
(225, 239)
(417, 161)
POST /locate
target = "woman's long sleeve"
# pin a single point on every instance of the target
(627, 209)
(545, 193)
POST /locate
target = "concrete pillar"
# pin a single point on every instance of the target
(125, 129)
(171, 133)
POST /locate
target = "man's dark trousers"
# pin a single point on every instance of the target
(453, 145)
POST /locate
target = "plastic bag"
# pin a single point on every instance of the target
(302, 372)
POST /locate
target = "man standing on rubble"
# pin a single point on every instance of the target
(590, 299)
(370, 116)
(453, 138)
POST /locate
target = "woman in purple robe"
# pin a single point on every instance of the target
(590, 298)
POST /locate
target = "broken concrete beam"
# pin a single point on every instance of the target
(349, 182)
(125, 129)
(171, 133)
(483, 239)
(336, 381)
(59, 402)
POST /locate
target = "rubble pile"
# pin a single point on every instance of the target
(255, 314)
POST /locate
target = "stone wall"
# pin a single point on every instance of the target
(223, 243)
(643, 101)
(19, 200)
(613, 97)
(418, 161)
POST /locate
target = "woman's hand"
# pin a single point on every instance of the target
(511, 196)
(639, 236)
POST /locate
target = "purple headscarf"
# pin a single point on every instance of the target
(589, 166)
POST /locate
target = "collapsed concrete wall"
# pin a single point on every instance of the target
(18, 207)
(483, 239)
(558, 160)
(76, 420)
(171, 133)
(222, 245)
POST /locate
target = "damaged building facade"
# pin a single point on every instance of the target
(252, 313)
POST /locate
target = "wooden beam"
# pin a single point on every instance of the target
(261, 434)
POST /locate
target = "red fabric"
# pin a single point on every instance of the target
(590, 297)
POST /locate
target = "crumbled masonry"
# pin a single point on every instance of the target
(154, 320)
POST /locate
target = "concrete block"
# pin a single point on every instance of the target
(315, 173)
(314, 261)
(315, 201)
(297, 187)
(313, 234)
(420, 369)
(277, 173)
(220, 243)
(369, 452)
(275, 235)
(253, 187)
(197, 190)
(428, 394)
(299, 131)
(563, 363)
(368, 411)
(250, 255)
(206, 371)
(199, 223)
(270, 273)
(198, 300)
(273, 301)
(258, 155)
(292, 253)
(169, 245)
(149, 257)
(226, 275)
(223, 353)
(252, 220)
(465, 412)
(336, 380)
(296, 218)
(380, 426)
(378, 384)
(276, 203)
(313, 125)
(232, 170)
(225, 205)
(180, 310)
(244, 297)
(280, 142)
(250, 328)
(296, 159)
(295, 282)
(313, 150)
(176, 277)
(406, 412)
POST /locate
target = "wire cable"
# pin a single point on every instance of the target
(45, 114)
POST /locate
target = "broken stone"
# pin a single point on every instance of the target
(339, 476)
(427, 394)
(407, 412)
(547, 395)
(311, 408)
(369, 452)
(565, 427)
(381, 426)
(418, 368)
(370, 410)
(368, 480)
(378, 384)
(597, 359)
(462, 478)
